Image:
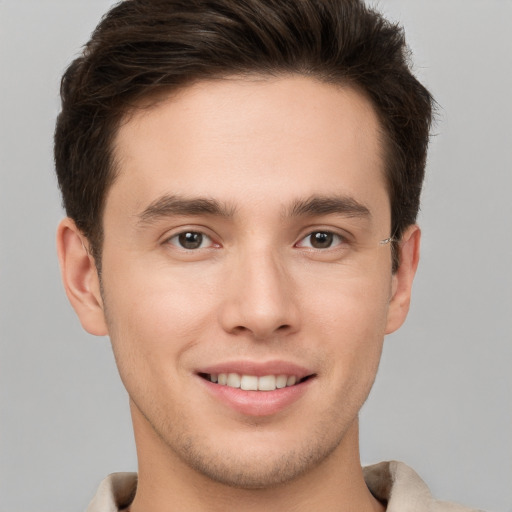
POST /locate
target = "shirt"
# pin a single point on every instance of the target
(393, 483)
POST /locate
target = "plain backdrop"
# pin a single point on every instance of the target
(443, 397)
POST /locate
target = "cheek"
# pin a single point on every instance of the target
(155, 316)
(350, 319)
(352, 304)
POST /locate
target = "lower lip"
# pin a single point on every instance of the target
(257, 403)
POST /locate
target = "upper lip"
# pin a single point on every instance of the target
(256, 368)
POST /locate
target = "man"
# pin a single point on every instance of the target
(242, 180)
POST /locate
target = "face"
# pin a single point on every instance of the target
(242, 251)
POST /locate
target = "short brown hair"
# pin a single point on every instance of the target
(144, 46)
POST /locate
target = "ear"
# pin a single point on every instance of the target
(80, 277)
(402, 279)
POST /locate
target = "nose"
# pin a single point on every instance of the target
(260, 298)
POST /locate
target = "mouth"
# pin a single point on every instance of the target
(254, 382)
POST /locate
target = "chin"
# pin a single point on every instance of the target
(260, 460)
(261, 472)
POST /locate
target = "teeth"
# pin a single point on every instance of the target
(267, 383)
(252, 382)
(249, 382)
(233, 380)
(281, 381)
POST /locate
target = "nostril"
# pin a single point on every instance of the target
(239, 329)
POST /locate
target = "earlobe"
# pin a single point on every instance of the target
(402, 280)
(80, 277)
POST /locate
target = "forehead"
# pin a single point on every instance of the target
(248, 140)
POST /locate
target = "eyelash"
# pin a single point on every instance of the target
(178, 240)
(331, 237)
(177, 236)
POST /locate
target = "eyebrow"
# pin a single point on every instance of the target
(328, 205)
(169, 205)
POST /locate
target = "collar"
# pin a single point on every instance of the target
(393, 483)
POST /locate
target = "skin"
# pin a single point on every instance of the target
(256, 290)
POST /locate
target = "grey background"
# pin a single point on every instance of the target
(443, 398)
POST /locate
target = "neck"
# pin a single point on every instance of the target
(166, 483)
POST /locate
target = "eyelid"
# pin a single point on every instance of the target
(176, 232)
(344, 238)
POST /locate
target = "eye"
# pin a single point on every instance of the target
(321, 240)
(191, 240)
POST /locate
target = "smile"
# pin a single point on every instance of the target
(253, 382)
(256, 389)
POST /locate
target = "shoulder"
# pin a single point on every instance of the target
(446, 506)
(114, 493)
(401, 488)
